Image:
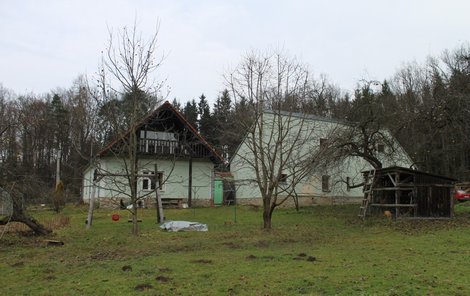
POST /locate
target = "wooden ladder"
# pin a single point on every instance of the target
(368, 194)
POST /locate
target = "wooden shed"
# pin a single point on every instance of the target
(407, 193)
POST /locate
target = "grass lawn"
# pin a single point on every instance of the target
(322, 250)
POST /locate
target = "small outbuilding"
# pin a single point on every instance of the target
(407, 193)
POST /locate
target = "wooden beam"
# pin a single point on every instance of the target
(394, 205)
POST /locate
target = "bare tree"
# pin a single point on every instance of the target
(130, 61)
(278, 149)
(14, 184)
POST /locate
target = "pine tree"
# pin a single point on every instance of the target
(176, 104)
(190, 112)
(205, 120)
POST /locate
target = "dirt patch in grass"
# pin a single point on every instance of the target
(411, 226)
(311, 259)
(177, 249)
(164, 269)
(251, 257)
(203, 261)
(106, 255)
(232, 245)
(126, 268)
(162, 279)
(304, 256)
(143, 287)
(288, 240)
(18, 264)
(268, 257)
(425, 226)
(50, 278)
(261, 244)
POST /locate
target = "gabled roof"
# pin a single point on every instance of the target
(311, 117)
(166, 106)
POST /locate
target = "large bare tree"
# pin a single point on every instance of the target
(15, 185)
(128, 92)
(278, 148)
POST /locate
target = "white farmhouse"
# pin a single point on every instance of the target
(172, 156)
(297, 140)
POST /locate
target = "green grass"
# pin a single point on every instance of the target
(321, 250)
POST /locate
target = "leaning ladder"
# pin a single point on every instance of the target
(368, 194)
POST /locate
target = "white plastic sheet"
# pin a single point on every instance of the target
(183, 226)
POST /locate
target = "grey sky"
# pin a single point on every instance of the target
(47, 44)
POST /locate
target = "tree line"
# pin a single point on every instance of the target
(425, 106)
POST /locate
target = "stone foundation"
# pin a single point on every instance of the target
(307, 201)
(257, 202)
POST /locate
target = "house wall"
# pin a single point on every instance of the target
(111, 189)
(310, 189)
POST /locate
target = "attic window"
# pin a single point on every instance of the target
(153, 135)
(283, 178)
(158, 142)
(323, 142)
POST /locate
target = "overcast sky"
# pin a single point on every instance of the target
(47, 44)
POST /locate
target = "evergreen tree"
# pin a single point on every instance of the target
(59, 121)
(190, 112)
(227, 134)
(223, 107)
(205, 121)
(176, 104)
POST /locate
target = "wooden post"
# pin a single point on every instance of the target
(397, 194)
(160, 215)
(92, 205)
(190, 180)
(57, 171)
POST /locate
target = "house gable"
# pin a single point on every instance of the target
(166, 133)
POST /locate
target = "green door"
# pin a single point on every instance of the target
(218, 192)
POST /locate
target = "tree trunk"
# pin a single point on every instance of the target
(267, 215)
(18, 215)
(135, 225)
(32, 223)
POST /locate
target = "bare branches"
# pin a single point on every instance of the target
(131, 59)
(275, 146)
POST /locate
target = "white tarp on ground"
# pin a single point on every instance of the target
(183, 226)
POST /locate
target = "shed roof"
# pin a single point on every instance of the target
(394, 169)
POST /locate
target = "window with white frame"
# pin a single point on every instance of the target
(148, 183)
